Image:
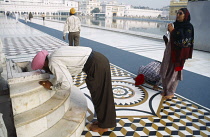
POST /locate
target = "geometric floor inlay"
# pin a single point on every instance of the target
(141, 112)
(130, 100)
(135, 101)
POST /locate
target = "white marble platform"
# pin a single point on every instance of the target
(28, 95)
(41, 118)
(25, 91)
(73, 122)
(62, 111)
(41, 112)
(15, 72)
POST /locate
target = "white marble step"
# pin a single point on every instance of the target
(28, 95)
(73, 122)
(41, 118)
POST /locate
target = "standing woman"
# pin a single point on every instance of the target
(178, 49)
(30, 16)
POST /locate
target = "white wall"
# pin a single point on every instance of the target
(200, 20)
(36, 8)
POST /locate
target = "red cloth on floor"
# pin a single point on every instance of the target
(139, 80)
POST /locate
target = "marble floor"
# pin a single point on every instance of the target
(140, 110)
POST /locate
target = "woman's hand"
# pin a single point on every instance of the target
(46, 84)
(170, 27)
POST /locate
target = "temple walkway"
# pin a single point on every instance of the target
(141, 111)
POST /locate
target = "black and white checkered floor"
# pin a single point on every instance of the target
(30, 45)
(140, 110)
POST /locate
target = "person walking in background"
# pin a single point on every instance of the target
(73, 27)
(6, 15)
(30, 16)
(25, 17)
(16, 17)
(178, 48)
(43, 16)
(67, 61)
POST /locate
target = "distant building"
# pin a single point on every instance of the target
(175, 6)
(142, 13)
(83, 7)
(86, 6)
(113, 9)
(37, 7)
(165, 13)
(99, 15)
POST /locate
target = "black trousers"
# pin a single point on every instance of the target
(99, 83)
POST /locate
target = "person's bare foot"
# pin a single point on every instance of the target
(95, 123)
(95, 128)
(162, 93)
(155, 87)
(168, 97)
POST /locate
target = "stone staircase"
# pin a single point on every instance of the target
(40, 112)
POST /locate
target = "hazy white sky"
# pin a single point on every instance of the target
(149, 3)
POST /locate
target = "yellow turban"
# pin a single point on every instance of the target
(72, 11)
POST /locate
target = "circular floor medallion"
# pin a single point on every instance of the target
(126, 94)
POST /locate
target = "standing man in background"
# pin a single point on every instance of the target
(73, 27)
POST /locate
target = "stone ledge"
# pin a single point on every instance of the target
(28, 95)
(41, 111)
(25, 88)
(73, 122)
(38, 120)
(19, 71)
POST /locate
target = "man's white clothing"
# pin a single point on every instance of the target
(26, 17)
(72, 24)
(65, 62)
(16, 17)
